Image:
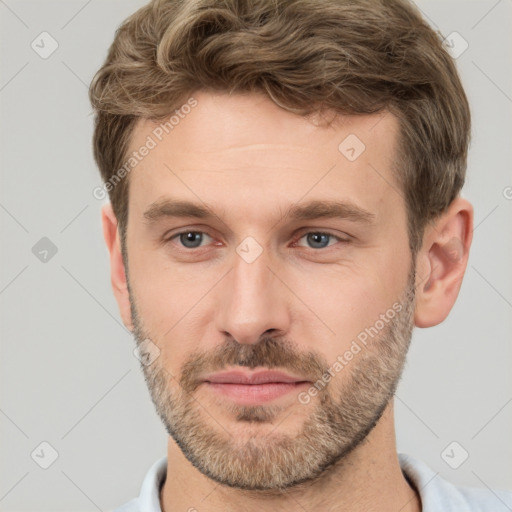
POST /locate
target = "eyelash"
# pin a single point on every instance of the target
(302, 235)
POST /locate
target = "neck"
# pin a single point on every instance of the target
(368, 479)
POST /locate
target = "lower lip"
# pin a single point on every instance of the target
(249, 394)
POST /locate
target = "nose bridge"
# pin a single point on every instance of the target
(252, 299)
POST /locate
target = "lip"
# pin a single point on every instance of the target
(261, 377)
(254, 388)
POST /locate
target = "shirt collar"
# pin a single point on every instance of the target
(426, 482)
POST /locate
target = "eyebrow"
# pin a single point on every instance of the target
(168, 208)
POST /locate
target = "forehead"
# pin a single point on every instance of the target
(243, 149)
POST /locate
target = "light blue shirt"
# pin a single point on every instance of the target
(437, 494)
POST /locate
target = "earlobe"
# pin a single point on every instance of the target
(117, 267)
(442, 262)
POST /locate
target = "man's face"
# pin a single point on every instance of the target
(259, 286)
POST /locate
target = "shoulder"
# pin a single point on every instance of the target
(436, 493)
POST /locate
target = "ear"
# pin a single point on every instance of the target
(117, 268)
(441, 263)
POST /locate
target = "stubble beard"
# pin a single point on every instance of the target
(342, 415)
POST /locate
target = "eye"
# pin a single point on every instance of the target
(190, 239)
(320, 239)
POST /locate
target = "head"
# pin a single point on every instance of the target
(288, 125)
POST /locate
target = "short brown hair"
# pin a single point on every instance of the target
(347, 56)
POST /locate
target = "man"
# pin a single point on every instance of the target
(284, 181)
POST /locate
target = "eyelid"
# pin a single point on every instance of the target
(181, 231)
(341, 236)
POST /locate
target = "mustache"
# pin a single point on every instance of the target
(269, 352)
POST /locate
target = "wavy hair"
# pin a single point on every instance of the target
(346, 56)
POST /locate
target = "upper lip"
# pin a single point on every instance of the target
(260, 377)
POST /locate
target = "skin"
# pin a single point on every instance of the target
(251, 161)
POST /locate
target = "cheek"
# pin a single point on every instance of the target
(165, 301)
(346, 302)
(347, 299)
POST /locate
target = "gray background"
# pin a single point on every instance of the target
(68, 373)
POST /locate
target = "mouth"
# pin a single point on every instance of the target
(254, 388)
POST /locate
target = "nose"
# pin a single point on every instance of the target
(252, 301)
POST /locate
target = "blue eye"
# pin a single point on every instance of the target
(318, 239)
(190, 239)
